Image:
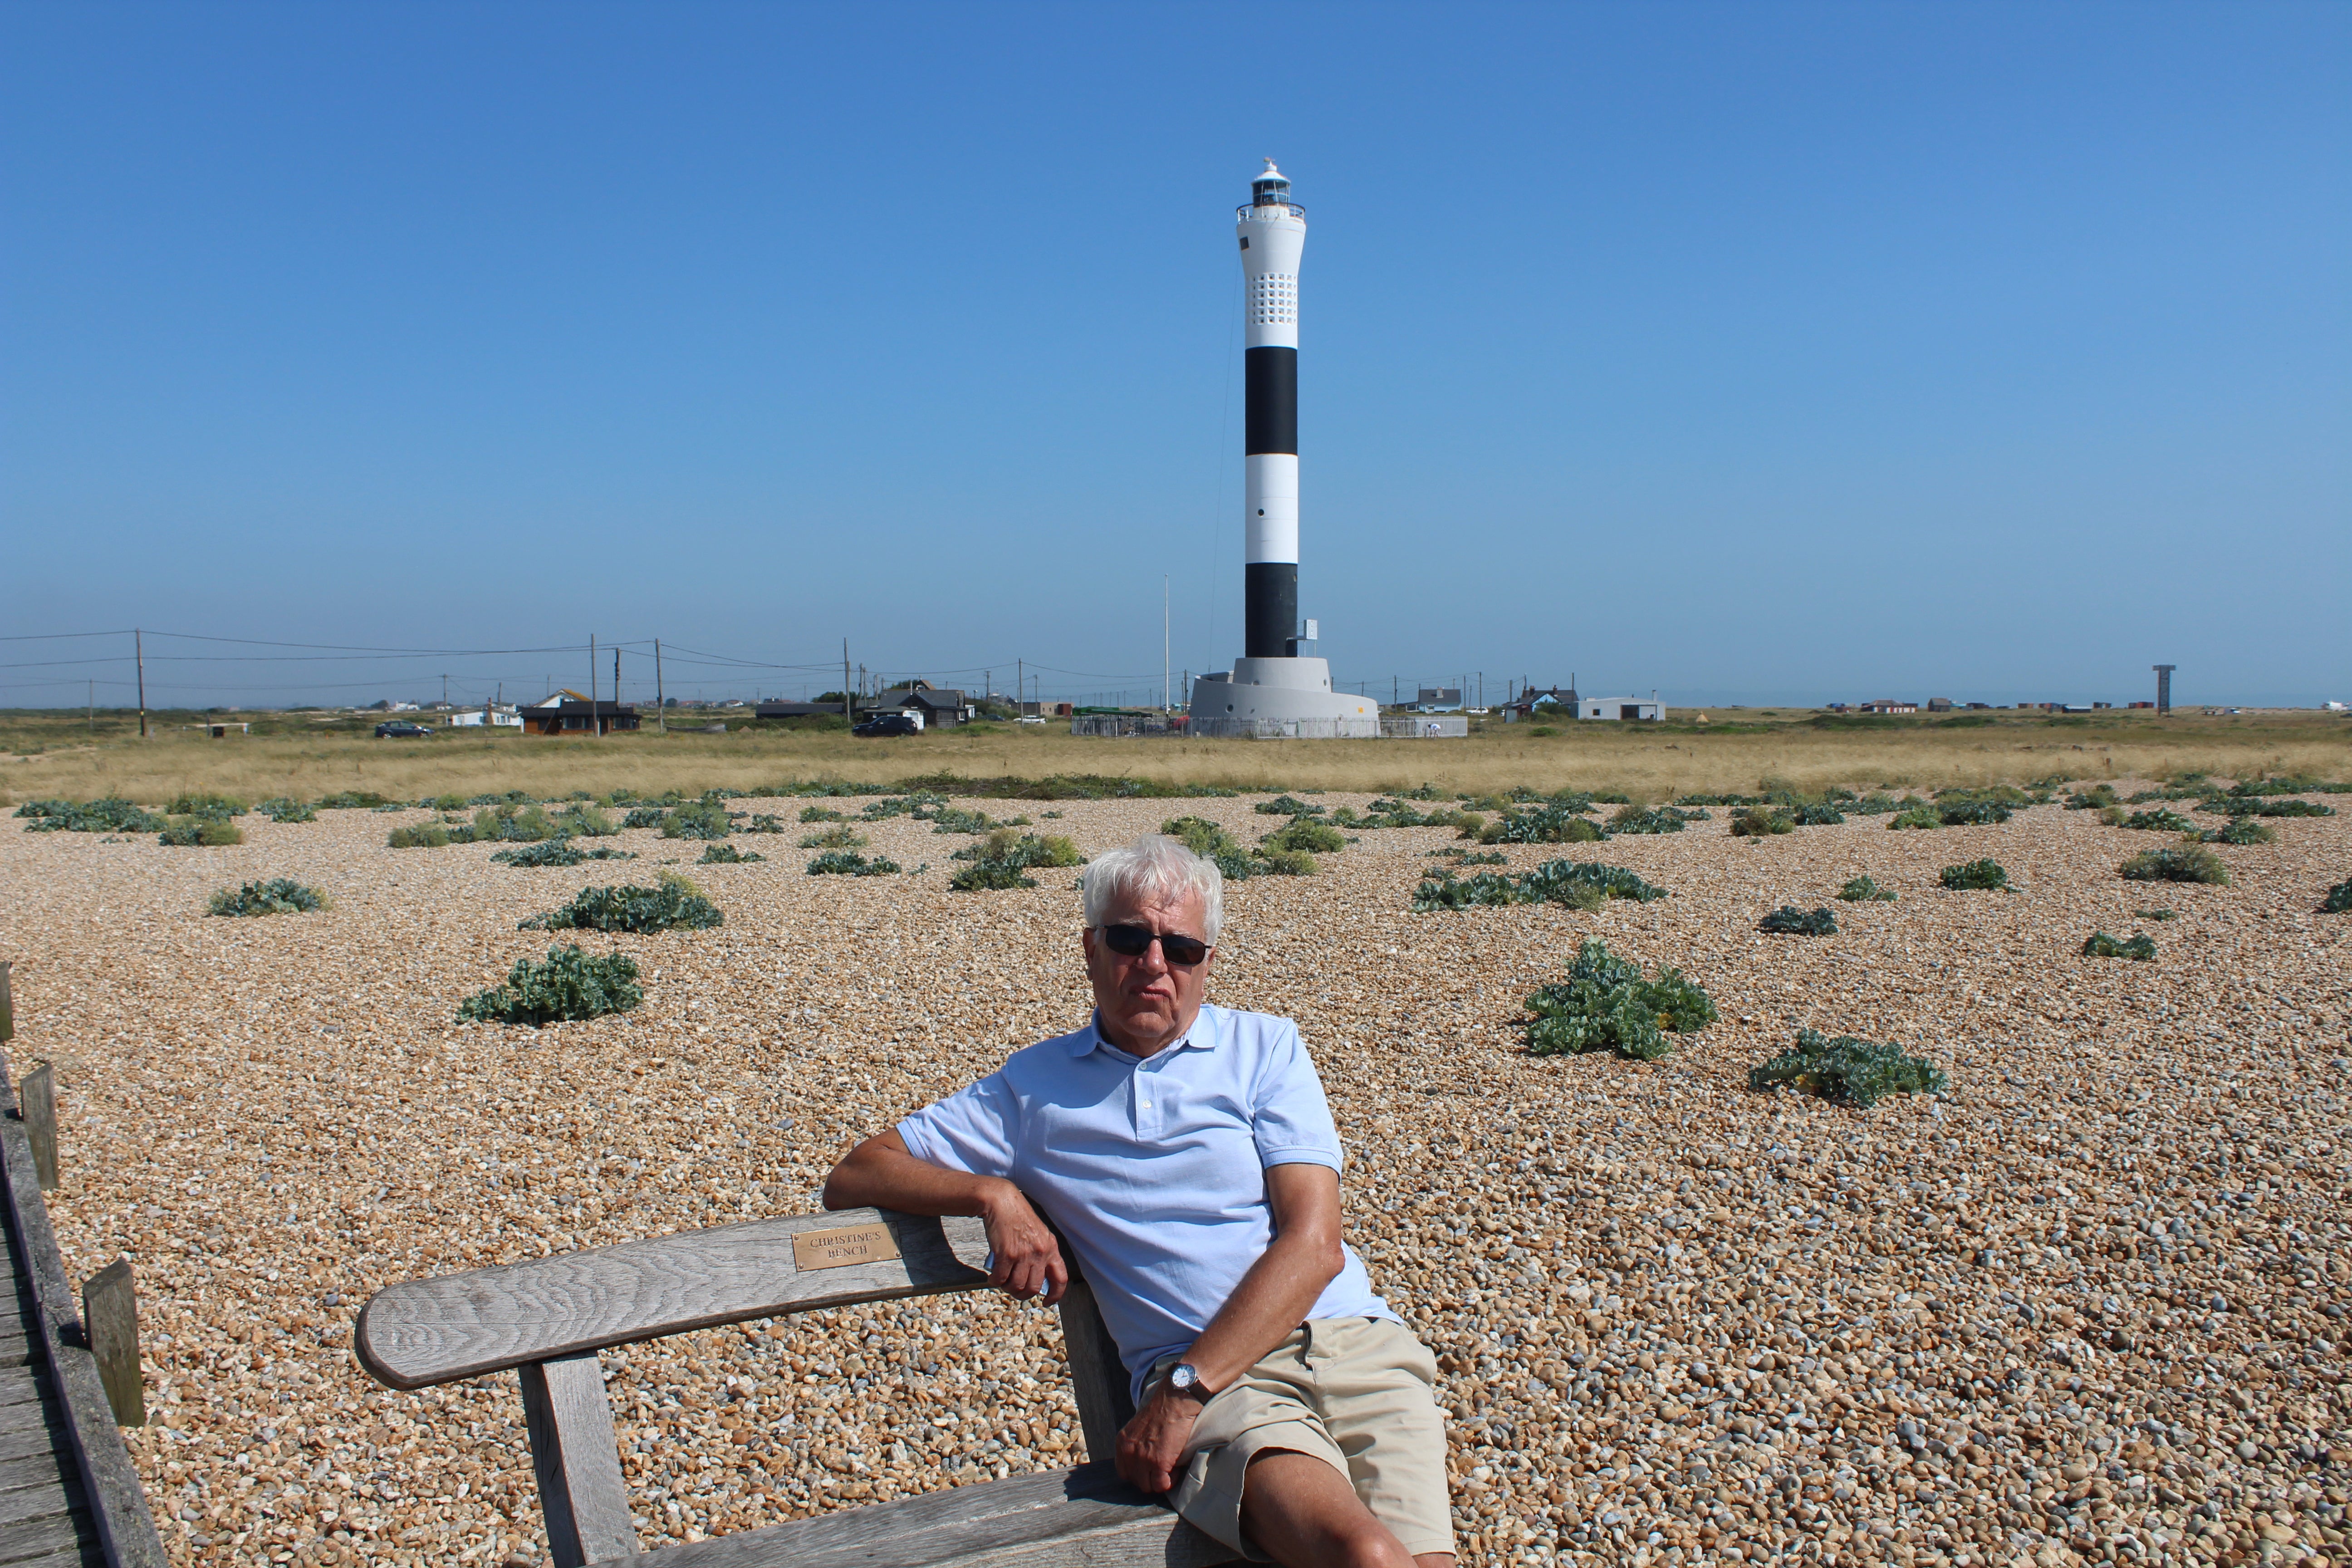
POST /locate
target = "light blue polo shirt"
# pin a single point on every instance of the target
(1154, 1169)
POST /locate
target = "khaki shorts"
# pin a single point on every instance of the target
(1354, 1393)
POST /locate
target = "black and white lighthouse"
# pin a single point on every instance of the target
(1272, 234)
(1278, 680)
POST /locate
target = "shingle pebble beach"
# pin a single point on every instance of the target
(2089, 1304)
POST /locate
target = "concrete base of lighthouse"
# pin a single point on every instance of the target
(1271, 699)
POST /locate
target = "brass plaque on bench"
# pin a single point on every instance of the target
(839, 1248)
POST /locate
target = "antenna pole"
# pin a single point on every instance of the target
(661, 713)
(848, 708)
(139, 653)
(594, 727)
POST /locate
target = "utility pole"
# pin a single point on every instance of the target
(139, 653)
(616, 681)
(661, 713)
(93, 707)
(849, 708)
(1020, 684)
(445, 688)
(1167, 691)
(594, 727)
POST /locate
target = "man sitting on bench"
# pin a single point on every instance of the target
(1187, 1152)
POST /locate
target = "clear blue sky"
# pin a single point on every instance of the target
(1763, 352)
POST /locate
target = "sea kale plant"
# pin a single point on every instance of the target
(1579, 884)
(850, 863)
(704, 819)
(2189, 863)
(1000, 860)
(727, 855)
(1605, 1004)
(207, 832)
(675, 904)
(2159, 821)
(1791, 921)
(1980, 876)
(106, 816)
(277, 896)
(2139, 944)
(567, 985)
(1854, 1072)
(1866, 890)
(284, 809)
(2339, 899)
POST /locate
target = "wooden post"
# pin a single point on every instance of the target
(581, 1493)
(110, 1315)
(139, 654)
(661, 713)
(37, 1096)
(7, 1008)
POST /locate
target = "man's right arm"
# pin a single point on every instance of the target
(882, 1174)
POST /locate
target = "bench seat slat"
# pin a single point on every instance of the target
(1086, 1518)
(426, 1332)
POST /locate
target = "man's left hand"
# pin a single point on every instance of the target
(1152, 1446)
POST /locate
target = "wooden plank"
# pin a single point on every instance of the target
(39, 1499)
(20, 1385)
(118, 1507)
(578, 1461)
(1087, 1520)
(8, 1007)
(1098, 1378)
(109, 1311)
(38, 1462)
(38, 1110)
(13, 1350)
(463, 1325)
(31, 1416)
(32, 1441)
(57, 1539)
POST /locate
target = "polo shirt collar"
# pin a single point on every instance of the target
(1202, 1036)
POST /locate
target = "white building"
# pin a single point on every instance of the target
(1621, 707)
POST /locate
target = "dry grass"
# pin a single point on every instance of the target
(1650, 761)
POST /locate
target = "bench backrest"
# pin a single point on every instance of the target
(548, 1317)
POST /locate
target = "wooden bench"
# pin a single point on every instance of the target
(547, 1319)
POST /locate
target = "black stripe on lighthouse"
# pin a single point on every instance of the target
(1271, 380)
(1270, 419)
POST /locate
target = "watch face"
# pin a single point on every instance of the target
(1184, 1379)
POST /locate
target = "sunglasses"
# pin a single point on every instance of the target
(1134, 942)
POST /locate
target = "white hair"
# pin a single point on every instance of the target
(1158, 869)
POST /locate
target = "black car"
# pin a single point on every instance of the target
(889, 724)
(399, 730)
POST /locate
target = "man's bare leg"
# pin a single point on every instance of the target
(1303, 1513)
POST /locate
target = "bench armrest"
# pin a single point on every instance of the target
(427, 1332)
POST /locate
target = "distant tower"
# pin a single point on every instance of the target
(1279, 679)
(2164, 688)
(1272, 234)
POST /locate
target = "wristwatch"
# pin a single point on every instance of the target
(1185, 1379)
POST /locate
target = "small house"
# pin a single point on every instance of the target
(1438, 699)
(566, 712)
(1616, 708)
(939, 706)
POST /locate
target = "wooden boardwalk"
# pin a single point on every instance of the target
(45, 1516)
(67, 1491)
